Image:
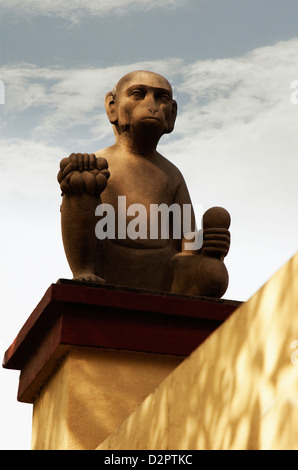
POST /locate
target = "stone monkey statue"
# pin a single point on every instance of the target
(141, 109)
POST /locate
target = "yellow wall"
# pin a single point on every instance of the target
(91, 393)
(238, 390)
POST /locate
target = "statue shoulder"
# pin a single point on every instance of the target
(170, 168)
(104, 153)
(109, 154)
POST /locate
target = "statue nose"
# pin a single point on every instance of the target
(152, 106)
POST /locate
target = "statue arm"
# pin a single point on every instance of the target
(201, 271)
(82, 179)
(188, 222)
(215, 224)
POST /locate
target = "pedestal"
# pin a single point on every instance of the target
(89, 355)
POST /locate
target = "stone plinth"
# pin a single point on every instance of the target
(89, 355)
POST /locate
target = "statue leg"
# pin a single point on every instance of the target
(199, 275)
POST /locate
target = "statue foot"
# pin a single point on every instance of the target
(200, 276)
(89, 277)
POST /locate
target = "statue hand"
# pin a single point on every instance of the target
(216, 242)
(83, 173)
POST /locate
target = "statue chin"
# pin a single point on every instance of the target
(152, 122)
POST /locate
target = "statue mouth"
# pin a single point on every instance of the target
(151, 118)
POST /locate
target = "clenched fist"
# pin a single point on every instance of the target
(83, 173)
(216, 236)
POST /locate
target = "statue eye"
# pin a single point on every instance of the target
(164, 97)
(137, 94)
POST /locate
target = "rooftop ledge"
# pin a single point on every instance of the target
(104, 316)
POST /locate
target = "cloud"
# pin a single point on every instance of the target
(75, 9)
(238, 90)
(28, 171)
(239, 113)
(218, 95)
(227, 104)
(66, 98)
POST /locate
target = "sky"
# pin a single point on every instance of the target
(233, 66)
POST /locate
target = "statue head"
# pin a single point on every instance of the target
(142, 99)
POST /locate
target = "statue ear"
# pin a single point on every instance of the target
(172, 118)
(110, 106)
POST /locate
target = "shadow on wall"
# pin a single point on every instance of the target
(238, 390)
(105, 389)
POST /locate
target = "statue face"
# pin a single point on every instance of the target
(144, 99)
